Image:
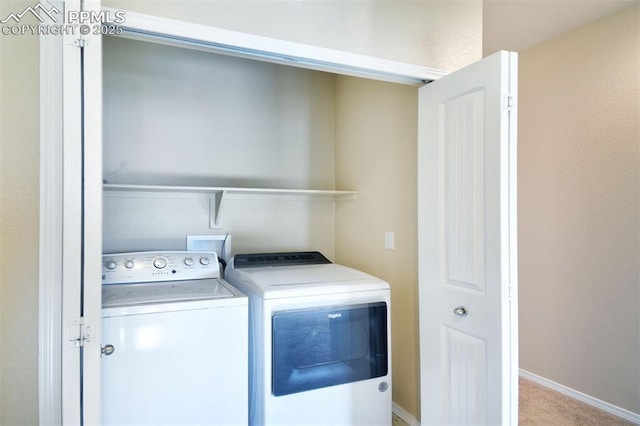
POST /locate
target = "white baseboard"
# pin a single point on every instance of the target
(404, 415)
(604, 406)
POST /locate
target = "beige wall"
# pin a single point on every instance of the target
(376, 149)
(439, 34)
(516, 25)
(19, 156)
(579, 209)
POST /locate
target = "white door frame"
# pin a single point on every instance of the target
(51, 233)
(60, 225)
(233, 43)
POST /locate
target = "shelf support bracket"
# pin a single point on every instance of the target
(215, 209)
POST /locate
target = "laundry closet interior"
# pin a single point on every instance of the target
(279, 157)
(210, 137)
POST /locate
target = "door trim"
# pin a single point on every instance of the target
(512, 111)
(50, 251)
(60, 223)
(190, 35)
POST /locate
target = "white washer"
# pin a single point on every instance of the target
(320, 341)
(179, 338)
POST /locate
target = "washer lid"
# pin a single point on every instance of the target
(114, 295)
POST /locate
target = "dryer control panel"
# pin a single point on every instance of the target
(152, 266)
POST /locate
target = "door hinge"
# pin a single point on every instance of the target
(508, 292)
(80, 42)
(510, 102)
(79, 332)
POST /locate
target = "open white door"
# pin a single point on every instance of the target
(467, 245)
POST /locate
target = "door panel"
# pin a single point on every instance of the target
(462, 145)
(466, 217)
(465, 377)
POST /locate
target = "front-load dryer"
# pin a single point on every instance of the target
(319, 340)
(176, 341)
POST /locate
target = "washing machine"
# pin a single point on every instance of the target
(175, 341)
(320, 340)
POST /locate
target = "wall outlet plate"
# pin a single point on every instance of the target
(220, 244)
(389, 241)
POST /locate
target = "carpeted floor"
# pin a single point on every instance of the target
(397, 421)
(541, 406)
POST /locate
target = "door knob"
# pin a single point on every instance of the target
(460, 311)
(107, 350)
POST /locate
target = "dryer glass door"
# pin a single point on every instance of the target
(327, 346)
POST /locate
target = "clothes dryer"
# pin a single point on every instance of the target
(320, 340)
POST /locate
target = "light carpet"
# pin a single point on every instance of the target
(541, 406)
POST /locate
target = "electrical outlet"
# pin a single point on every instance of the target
(389, 241)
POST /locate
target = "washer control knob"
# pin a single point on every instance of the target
(111, 265)
(159, 262)
(129, 264)
(204, 261)
(188, 261)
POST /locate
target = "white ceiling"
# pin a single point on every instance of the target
(518, 24)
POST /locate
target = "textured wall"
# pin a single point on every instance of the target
(376, 148)
(579, 209)
(438, 34)
(19, 171)
(516, 25)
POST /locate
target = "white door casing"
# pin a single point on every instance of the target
(467, 245)
(71, 221)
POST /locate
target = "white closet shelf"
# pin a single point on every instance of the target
(216, 194)
(230, 190)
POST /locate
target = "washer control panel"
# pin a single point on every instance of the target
(150, 266)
